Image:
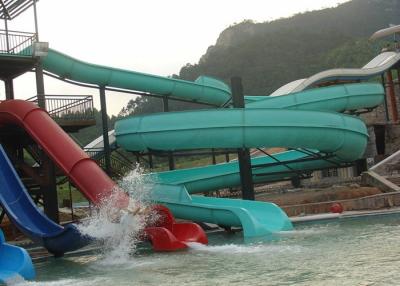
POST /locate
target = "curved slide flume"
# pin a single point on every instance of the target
(332, 99)
(204, 89)
(281, 121)
(378, 65)
(14, 262)
(22, 211)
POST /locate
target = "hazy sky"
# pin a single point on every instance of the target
(152, 36)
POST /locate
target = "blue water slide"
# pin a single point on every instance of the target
(22, 211)
(14, 262)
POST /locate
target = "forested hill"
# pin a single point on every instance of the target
(268, 55)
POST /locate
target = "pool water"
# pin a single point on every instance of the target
(364, 251)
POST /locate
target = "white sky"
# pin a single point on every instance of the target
(152, 36)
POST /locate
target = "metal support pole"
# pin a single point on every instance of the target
(36, 21)
(40, 85)
(39, 67)
(246, 176)
(227, 157)
(171, 162)
(214, 159)
(71, 202)
(104, 120)
(361, 166)
(49, 189)
(165, 104)
(390, 86)
(398, 79)
(151, 166)
(9, 86)
(385, 99)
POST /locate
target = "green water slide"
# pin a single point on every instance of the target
(307, 120)
(289, 120)
(204, 89)
(323, 139)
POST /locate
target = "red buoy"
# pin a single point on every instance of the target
(336, 208)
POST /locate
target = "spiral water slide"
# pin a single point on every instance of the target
(309, 120)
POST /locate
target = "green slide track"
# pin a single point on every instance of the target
(307, 120)
(204, 89)
(287, 121)
(346, 135)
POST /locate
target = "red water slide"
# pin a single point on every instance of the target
(88, 177)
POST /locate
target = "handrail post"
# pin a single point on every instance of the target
(7, 40)
(246, 175)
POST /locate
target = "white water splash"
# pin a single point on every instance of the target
(137, 185)
(119, 229)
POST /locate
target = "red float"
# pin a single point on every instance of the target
(336, 208)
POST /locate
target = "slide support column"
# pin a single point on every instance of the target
(246, 174)
(40, 85)
(398, 79)
(385, 99)
(390, 87)
(9, 86)
(49, 188)
(171, 162)
(104, 120)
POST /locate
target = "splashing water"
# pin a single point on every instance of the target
(119, 229)
(15, 280)
(137, 185)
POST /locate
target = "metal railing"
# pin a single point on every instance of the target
(120, 165)
(94, 152)
(16, 42)
(68, 107)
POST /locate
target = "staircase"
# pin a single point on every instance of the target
(120, 165)
(394, 179)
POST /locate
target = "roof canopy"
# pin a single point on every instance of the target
(9, 9)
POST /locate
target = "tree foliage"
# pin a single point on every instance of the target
(268, 55)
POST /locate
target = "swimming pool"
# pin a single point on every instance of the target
(363, 251)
